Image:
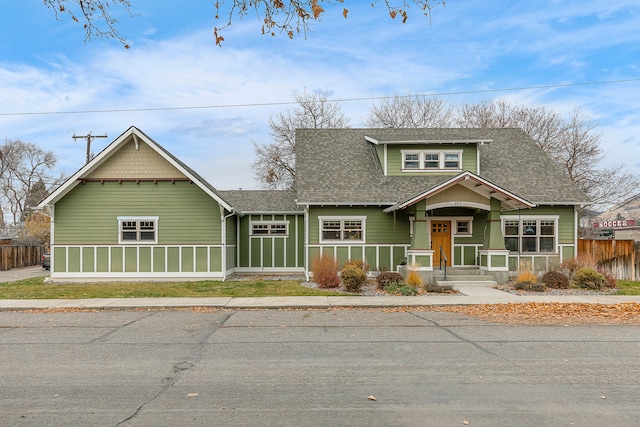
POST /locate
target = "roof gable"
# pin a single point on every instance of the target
(107, 163)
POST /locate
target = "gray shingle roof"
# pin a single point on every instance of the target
(338, 166)
(263, 201)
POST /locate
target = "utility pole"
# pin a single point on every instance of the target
(89, 138)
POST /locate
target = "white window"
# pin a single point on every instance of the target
(430, 160)
(530, 235)
(342, 229)
(463, 227)
(270, 228)
(138, 229)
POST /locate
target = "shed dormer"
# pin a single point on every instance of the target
(428, 157)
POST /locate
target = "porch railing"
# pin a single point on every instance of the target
(443, 257)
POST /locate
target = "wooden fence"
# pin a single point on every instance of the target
(620, 257)
(19, 256)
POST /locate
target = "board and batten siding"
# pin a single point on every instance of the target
(189, 231)
(387, 236)
(566, 244)
(394, 157)
(271, 253)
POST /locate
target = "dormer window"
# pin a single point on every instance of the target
(431, 160)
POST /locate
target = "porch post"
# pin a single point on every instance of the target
(421, 238)
(494, 239)
(420, 255)
(494, 257)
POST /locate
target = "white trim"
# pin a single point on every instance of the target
(271, 222)
(421, 160)
(488, 253)
(342, 218)
(300, 270)
(454, 180)
(429, 141)
(156, 227)
(459, 204)
(525, 217)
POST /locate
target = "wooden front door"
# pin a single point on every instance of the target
(441, 237)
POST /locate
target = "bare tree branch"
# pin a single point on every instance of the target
(274, 166)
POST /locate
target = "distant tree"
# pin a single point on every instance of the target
(274, 166)
(36, 230)
(571, 143)
(277, 16)
(24, 169)
(411, 111)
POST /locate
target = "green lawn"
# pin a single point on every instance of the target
(627, 287)
(35, 288)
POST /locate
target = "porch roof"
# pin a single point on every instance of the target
(473, 182)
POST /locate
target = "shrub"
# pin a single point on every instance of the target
(325, 271)
(611, 281)
(572, 265)
(525, 273)
(414, 279)
(438, 288)
(353, 278)
(555, 280)
(530, 286)
(589, 278)
(362, 265)
(400, 289)
(387, 278)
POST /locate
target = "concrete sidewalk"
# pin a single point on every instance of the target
(467, 296)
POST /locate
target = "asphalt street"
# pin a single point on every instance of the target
(311, 368)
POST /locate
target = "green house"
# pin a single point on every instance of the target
(399, 199)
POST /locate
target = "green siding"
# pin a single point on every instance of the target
(394, 157)
(566, 219)
(88, 214)
(272, 251)
(381, 228)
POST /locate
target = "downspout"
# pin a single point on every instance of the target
(224, 240)
(306, 242)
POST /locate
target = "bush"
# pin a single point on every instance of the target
(325, 271)
(530, 286)
(414, 279)
(387, 278)
(400, 289)
(589, 278)
(438, 288)
(358, 263)
(611, 281)
(555, 280)
(353, 278)
(525, 273)
(572, 265)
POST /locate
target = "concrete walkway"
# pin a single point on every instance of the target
(467, 296)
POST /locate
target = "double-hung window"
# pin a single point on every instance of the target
(530, 235)
(430, 160)
(342, 229)
(138, 230)
(269, 228)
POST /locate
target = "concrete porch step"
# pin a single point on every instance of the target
(464, 277)
(457, 283)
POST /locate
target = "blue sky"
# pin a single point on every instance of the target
(472, 51)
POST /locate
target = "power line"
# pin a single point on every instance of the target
(266, 104)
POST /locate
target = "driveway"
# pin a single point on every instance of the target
(22, 273)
